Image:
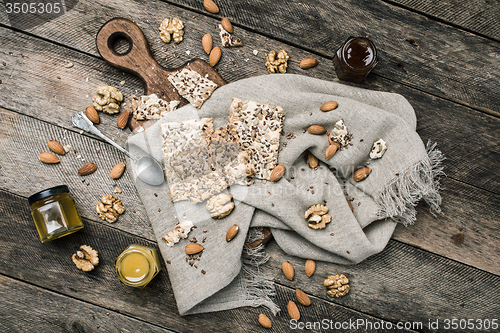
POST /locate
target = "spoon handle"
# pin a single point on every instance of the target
(81, 121)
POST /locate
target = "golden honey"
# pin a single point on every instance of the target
(137, 265)
(54, 213)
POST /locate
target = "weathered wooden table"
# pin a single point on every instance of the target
(444, 57)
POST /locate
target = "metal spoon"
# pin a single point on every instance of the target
(148, 169)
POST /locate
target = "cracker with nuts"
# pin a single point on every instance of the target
(192, 86)
(258, 127)
(151, 107)
(181, 230)
(227, 39)
(188, 165)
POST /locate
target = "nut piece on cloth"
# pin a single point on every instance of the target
(227, 39)
(181, 230)
(337, 285)
(109, 208)
(340, 134)
(317, 216)
(220, 205)
(378, 149)
(171, 26)
(277, 65)
(86, 258)
(107, 99)
(151, 107)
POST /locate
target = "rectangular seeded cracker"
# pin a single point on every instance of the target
(151, 107)
(258, 127)
(188, 164)
(192, 86)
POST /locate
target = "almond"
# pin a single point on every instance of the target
(226, 24)
(232, 232)
(87, 169)
(316, 129)
(206, 42)
(293, 311)
(210, 6)
(265, 321)
(312, 160)
(350, 205)
(331, 150)
(310, 267)
(329, 106)
(56, 147)
(302, 297)
(122, 120)
(362, 173)
(92, 114)
(215, 55)
(308, 63)
(277, 173)
(48, 158)
(117, 170)
(193, 248)
(287, 270)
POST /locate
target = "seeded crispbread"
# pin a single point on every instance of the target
(192, 86)
(151, 107)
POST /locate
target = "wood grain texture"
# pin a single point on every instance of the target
(417, 51)
(474, 162)
(49, 266)
(26, 308)
(480, 17)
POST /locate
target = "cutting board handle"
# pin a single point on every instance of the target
(138, 59)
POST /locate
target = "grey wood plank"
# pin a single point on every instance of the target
(443, 60)
(49, 266)
(26, 308)
(480, 17)
(35, 65)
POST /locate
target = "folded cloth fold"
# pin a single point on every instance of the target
(225, 275)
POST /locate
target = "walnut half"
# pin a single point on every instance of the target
(277, 65)
(220, 205)
(337, 285)
(317, 216)
(171, 26)
(86, 258)
(109, 208)
(107, 99)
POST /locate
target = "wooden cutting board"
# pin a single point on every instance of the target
(138, 60)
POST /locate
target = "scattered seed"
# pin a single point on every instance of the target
(348, 252)
(332, 234)
(169, 262)
(159, 210)
(156, 195)
(359, 203)
(272, 205)
(361, 140)
(205, 230)
(203, 271)
(397, 174)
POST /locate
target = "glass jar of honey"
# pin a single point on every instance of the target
(355, 59)
(55, 213)
(137, 265)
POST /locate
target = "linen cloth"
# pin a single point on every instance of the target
(406, 173)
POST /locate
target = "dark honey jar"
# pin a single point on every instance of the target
(355, 59)
(55, 213)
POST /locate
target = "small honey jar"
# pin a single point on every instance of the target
(55, 213)
(137, 265)
(355, 59)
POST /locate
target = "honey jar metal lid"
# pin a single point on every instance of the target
(47, 193)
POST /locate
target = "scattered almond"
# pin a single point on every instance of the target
(122, 120)
(265, 321)
(226, 24)
(312, 160)
(117, 170)
(56, 147)
(232, 232)
(329, 106)
(193, 248)
(308, 63)
(350, 205)
(293, 311)
(87, 169)
(310, 267)
(215, 55)
(302, 297)
(92, 114)
(362, 173)
(48, 158)
(277, 173)
(210, 6)
(331, 150)
(206, 42)
(287, 270)
(316, 129)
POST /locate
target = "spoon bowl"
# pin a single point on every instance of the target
(149, 171)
